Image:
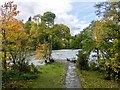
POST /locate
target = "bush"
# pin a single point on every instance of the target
(93, 66)
(82, 62)
(28, 76)
(19, 72)
(52, 60)
(74, 61)
(112, 72)
(25, 67)
(33, 69)
(10, 75)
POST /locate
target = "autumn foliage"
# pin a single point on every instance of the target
(15, 43)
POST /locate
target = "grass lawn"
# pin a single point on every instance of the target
(50, 76)
(93, 79)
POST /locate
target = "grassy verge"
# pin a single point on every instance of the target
(51, 76)
(93, 79)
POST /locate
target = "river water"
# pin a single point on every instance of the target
(61, 56)
(58, 55)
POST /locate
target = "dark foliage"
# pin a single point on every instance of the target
(82, 62)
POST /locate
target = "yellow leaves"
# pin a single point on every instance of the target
(40, 50)
(116, 54)
(115, 68)
(40, 47)
(98, 31)
(115, 41)
(28, 47)
(14, 47)
(15, 30)
(107, 63)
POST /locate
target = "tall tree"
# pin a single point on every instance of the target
(48, 18)
(62, 32)
(8, 11)
(110, 11)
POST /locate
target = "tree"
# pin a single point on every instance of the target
(8, 11)
(48, 18)
(109, 30)
(17, 44)
(62, 33)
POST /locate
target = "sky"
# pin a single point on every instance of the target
(76, 14)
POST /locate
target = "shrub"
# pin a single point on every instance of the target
(25, 67)
(18, 72)
(82, 62)
(52, 60)
(74, 61)
(33, 69)
(93, 66)
(112, 72)
(10, 75)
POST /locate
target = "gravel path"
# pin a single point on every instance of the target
(72, 80)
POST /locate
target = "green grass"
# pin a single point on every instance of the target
(50, 76)
(93, 79)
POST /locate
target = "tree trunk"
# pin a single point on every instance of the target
(4, 64)
(4, 50)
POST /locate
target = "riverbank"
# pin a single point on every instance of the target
(49, 76)
(93, 79)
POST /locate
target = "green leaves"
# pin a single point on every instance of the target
(110, 43)
(48, 18)
(82, 61)
(103, 37)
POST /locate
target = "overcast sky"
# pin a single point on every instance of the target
(76, 14)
